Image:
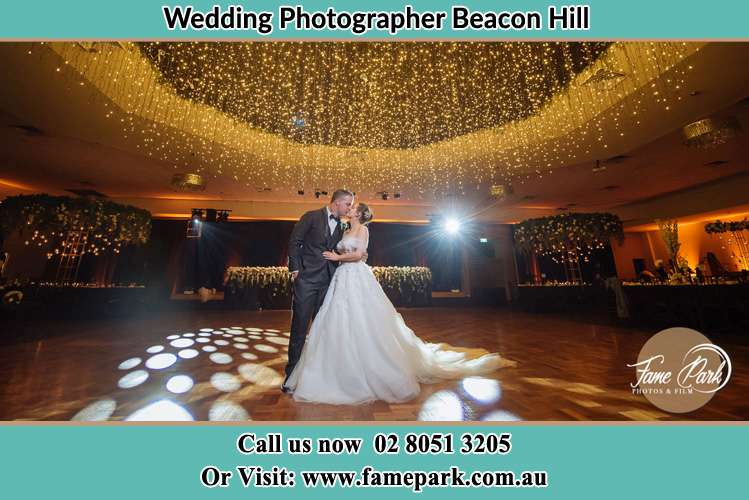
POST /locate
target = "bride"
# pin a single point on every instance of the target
(359, 349)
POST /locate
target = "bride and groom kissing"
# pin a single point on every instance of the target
(358, 348)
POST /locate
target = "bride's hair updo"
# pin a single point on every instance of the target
(365, 213)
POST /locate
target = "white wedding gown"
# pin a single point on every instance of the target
(359, 349)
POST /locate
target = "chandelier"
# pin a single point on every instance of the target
(711, 132)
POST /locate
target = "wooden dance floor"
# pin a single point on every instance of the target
(227, 365)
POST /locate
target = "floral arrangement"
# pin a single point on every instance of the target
(670, 233)
(727, 227)
(49, 218)
(276, 279)
(404, 280)
(560, 234)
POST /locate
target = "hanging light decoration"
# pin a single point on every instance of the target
(423, 118)
(711, 132)
(188, 182)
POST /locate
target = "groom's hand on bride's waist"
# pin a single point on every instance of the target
(294, 274)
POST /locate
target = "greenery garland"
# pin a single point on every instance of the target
(277, 280)
(109, 224)
(725, 227)
(404, 280)
(562, 233)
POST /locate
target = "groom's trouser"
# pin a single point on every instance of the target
(308, 297)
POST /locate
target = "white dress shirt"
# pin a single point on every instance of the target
(332, 223)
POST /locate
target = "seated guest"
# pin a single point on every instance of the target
(660, 271)
(646, 276)
(700, 275)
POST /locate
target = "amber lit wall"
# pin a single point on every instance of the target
(695, 244)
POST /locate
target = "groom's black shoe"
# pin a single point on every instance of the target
(284, 388)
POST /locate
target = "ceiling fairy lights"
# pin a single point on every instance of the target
(371, 95)
(422, 119)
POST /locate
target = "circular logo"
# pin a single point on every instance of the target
(679, 370)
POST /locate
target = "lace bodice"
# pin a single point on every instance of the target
(350, 243)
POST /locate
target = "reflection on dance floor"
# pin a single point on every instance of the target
(174, 367)
(231, 365)
(228, 361)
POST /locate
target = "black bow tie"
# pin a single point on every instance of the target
(337, 219)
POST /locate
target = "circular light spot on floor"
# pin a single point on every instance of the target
(202, 340)
(154, 349)
(235, 331)
(241, 347)
(241, 339)
(96, 411)
(188, 334)
(272, 330)
(206, 329)
(161, 411)
(209, 348)
(179, 384)
(500, 416)
(278, 340)
(161, 361)
(483, 390)
(187, 353)
(260, 374)
(254, 329)
(172, 337)
(217, 332)
(129, 364)
(180, 343)
(221, 358)
(270, 334)
(221, 342)
(227, 335)
(133, 379)
(286, 334)
(442, 406)
(255, 337)
(204, 334)
(225, 382)
(249, 356)
(227, 411)
(265, 348)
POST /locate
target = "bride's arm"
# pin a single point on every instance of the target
(346, 257)
(354, 256)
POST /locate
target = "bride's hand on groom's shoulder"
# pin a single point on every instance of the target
(331, 256)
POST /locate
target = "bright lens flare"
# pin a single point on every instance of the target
(452, 226)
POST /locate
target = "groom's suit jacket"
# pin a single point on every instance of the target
(309, 239)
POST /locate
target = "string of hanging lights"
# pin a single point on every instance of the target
(422, 119)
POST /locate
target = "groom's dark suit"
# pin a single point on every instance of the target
(309, 239)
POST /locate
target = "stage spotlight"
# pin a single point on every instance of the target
(194, 226)
(483, 240)
(452, 226)
(197, 215)
(222, 216)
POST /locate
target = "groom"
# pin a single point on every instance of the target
(316, 232)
